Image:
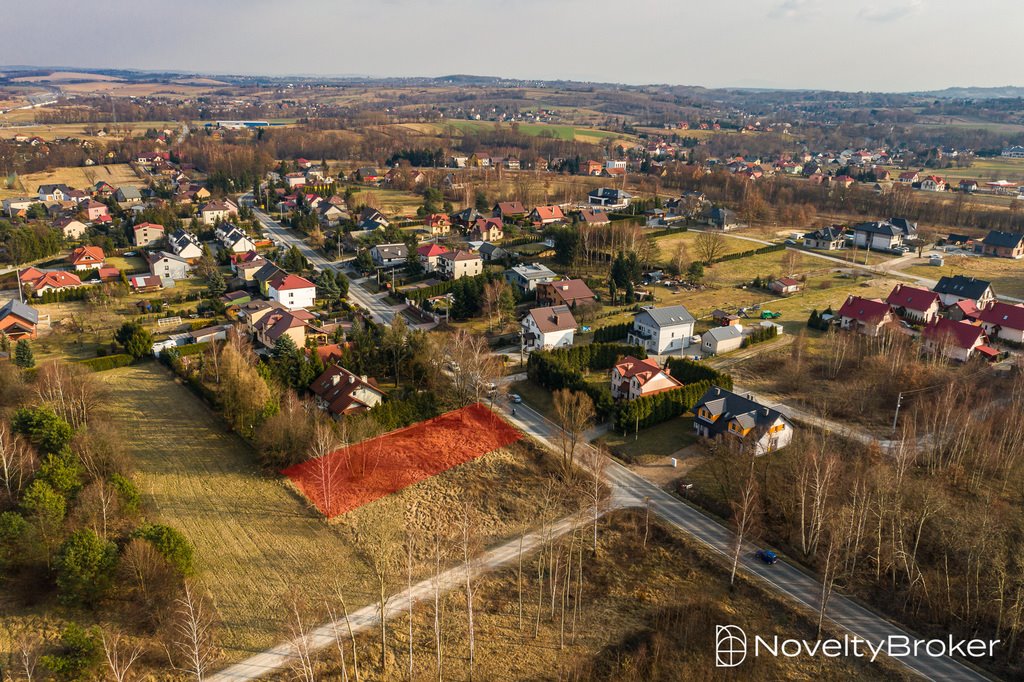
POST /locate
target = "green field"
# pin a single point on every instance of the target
(660, 440)
(561, 132)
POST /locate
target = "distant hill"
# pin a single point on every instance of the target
(1006, 91)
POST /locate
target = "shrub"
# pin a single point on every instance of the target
(174, 546)
(80, 653)
(85, 568)
(107, 362)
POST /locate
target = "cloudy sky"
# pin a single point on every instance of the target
(888, 45)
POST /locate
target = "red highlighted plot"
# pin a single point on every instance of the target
(353, 476)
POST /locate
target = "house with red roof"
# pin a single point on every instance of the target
(86, 258)
(633, 378)
(933, 183)
(596, 217)
(914, 304)
(340, 392)
(55, 280)
(545, 215)
(291, 291)
(955, 340)
(909, 177)
(428, 254)
(570, 292)
(864, 315)
(438, 224)
(1003, 321)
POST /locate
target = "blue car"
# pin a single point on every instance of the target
(767, 556)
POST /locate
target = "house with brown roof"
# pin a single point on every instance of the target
(633, 378)
(909, 177)
(340, 392)
(595, 217)
(546, 215)
(550, 327)
(487, 230)
(914, 304)
(955, 340)
(785, 286)
(508, 210)
(568, 292)
(458, 264)
(1003, 321)
(71, 228)
(86, 258)
(217, 210)
(864, 315)
(269, 324)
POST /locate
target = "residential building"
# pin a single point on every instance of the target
(58, 192)
(570, 292)
(270, 322)
(147, 234)
(1001, 244)
(71, 228)
(95, 211)
(18, 321)
(865, 315)
(291, 291)
(168, 267)
(914, 304)
(428, 254)
(340, 392)
(720, 412)
(458, 264)
(546, 215)
(389, 255)
(662, 330)
(909, 177)
(551, 327)
(526, 277)
(609, 198)
(186, 245)
(829, 238)
(86, 258)
(128, 195)
(722, 339)
(721, 218)
(883, 235)
(1015, 152)
(508, 210)
(216, 211)
(53, 280)
(595, 218)
(960, 287)
(1003, 321)
(633, 378)
(954, 340)
(234, 240)
(487, 230)
(491, 252)
(933, 183)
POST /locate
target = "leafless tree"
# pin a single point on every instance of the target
(17, 462)
(746, 510)
(27, 644)
(70, 391)
(379, 543)
(471, 367)
(327, 469)
(469, 547)
(338, 637)
(710, 246)
(303, 660)
(595, 461)
(194, 633)
(574, 412)
(120, 654)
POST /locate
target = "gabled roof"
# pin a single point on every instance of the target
(510, 207)
(1006, 240)
(553, 319)
(788, 282)
(961, 334)
(286, 282)
(595, 217)
(724, 333)
(336, 387)
(459, 255)
(960, 285)
(57, 279)
(864, 309)
(1004, 315)
(911, 298)
(549, 213)
(86, 254)
(569, 290)
(827, 234)
(643, 370)
(727, 407)
(19, 309)
(151, 226)
(431, 250)
(669, 316)
(392, 250)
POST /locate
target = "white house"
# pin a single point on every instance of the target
(961, 288)
(552, 327)
(167, 266)
(456, 264)
(662, 330)
(526, 277)
(1004, 321)
(234, 240)
(291, 291)
(389, 255)
(186, 245)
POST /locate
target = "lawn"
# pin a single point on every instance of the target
(128, 264)
(1005, 274)
(390, 201)
(667, 244)
(256, 539)
(79, 177)
(660, 440)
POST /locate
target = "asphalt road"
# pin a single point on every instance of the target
(629, 489)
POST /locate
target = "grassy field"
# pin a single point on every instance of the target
(128, 264)
(77, 177)
(558, 131)
(668, 244)
(256, 538)
(1005, 274)
(651, 617)
(660, 440)
(390, 201)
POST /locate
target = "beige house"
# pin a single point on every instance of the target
(458, 264)
(633, 378)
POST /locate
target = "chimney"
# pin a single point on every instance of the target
(335, 379)
(351, 378)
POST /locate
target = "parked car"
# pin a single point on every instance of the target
(767, 556)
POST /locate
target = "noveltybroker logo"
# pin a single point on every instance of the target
(731, 647)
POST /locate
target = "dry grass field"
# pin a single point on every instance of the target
(257, 540)
(1005, 274)
(650, 617)
(78, 177)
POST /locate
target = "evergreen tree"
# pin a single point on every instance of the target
(23, 355)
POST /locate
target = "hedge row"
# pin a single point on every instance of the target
(752, 252)
(690, 372)
(107, 362)
(563, 368)
(660, 407)
(614, 332)
(760, 334)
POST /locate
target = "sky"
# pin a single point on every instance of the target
(879, 45)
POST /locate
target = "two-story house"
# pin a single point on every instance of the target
(147, 234)
(428, 255)
(662, 330)
(526, 277)
(865, 315)
(952, 289)
(551, 327)
(723, 413)
(1001, 244)
(1003, 321)
(633, 378)
(340, 392)
(291, 291)
(168, 266)
(914, 304)
(458, 264)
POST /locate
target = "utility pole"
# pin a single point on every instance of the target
(899, 402)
